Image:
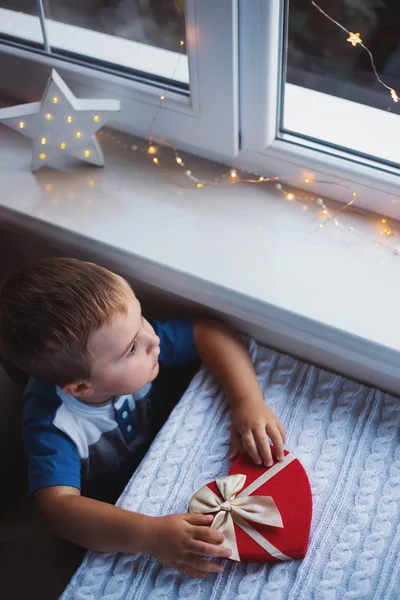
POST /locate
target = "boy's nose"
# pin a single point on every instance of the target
(154, 341)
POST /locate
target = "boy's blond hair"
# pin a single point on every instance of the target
(48, 312)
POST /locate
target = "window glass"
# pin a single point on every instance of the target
(331, 93)
(154, 22)
(143, 35)
(19, 20)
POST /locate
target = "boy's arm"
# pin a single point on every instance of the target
(179, 541)
(252, 421)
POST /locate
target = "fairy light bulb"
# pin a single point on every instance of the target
(181, 43)
(48, 117)
(354, 39)
(43, 140)
(308, 176)
(324, 213)
(55, 100)
(63, 145)
(200, 185)
(384, 221)
(155, 161)
(152, 150)
(87, 153)
(69, 119)
(261, 179)
(179, 160)
(42, 156)
(78, 135)
(96, 118)
(233, 174)
(162, 98)
(290, 196)
(21, 124)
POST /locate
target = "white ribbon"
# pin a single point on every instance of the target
(237, 506)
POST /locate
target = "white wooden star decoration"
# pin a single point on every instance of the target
(61, 124)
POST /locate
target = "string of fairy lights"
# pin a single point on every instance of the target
(282, 185)
(303, 199)
(355, 40)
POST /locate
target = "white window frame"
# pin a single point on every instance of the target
(235, 52)
(207, 118)
(261, 61)
(346, 126)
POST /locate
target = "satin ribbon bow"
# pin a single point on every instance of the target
(237, 506)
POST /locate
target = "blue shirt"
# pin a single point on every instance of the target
(88, 446)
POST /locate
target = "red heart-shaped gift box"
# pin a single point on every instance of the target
(290, 489)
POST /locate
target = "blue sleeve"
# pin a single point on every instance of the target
(176, 341)
(53, 458)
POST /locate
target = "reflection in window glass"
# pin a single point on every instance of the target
(153, 22)
(19, 19)
(144, 36)
(324, 72)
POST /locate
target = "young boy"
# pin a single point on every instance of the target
(77, 330)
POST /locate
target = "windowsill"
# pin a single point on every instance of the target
(330, 296)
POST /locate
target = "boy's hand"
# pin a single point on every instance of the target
(183, 542)
(252, 423)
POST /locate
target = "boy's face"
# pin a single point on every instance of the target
(124, 355)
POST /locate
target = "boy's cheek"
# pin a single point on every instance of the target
(153, 374)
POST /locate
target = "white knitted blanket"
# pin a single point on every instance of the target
(347, 437)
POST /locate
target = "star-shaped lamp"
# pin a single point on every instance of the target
(61, 124)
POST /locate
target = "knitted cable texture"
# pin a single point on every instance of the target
(347, 437)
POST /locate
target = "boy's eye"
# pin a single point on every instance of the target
(133, 349)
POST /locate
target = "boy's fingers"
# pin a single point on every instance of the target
(276, 438)
(197, 519)
(208, 534)
(209, 550)
(263, 447)
(201, 564)
(250, 447)
(236, 445)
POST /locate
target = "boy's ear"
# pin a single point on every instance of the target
(79, 389)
